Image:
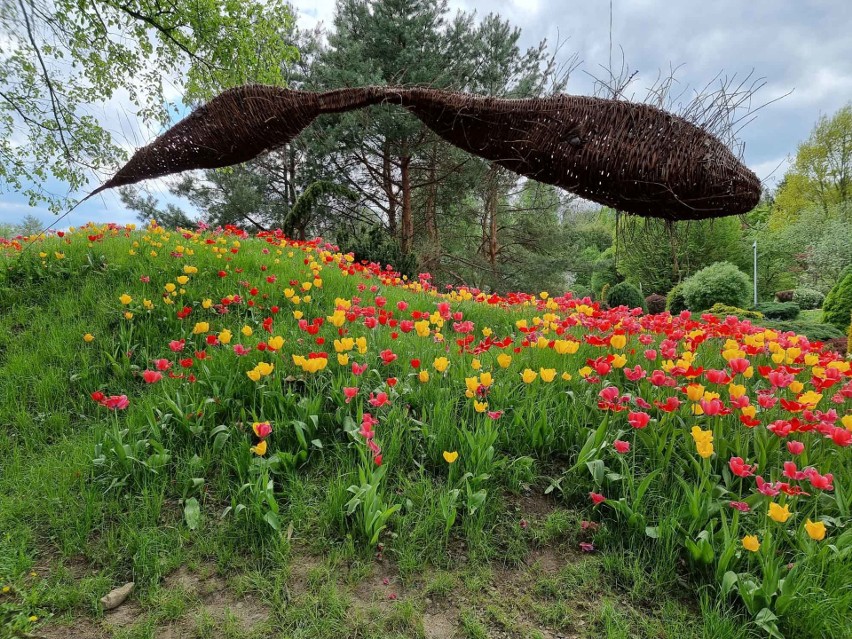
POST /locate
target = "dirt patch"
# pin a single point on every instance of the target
(80, 628)
(125, 615)
(534, 503)
(545, 560)
(211, 600)
(248, 611)
(201, 584)
(440, 624)
(301, 567)
(379, 590)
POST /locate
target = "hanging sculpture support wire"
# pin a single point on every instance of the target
(635, 158)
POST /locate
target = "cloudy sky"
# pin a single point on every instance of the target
(803, 46)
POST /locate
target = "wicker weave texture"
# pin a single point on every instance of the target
(633, 157)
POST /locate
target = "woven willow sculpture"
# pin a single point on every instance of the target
(632, 157)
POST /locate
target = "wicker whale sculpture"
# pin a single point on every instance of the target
(632, 157)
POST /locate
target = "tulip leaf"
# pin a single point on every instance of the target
(192, 513)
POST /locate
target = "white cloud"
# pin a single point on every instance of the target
(803, 46)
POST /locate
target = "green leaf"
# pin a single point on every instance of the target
(192, 513)
(272, 519)
(767, 620)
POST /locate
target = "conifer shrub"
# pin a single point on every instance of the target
(719, 283)
(625, 294)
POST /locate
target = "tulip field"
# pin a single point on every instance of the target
(300, 423)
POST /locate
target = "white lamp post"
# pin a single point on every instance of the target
(754, 246)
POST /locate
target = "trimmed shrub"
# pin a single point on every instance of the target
(808, 298)
(779, 310)
(725, 310)
(838, 304)
(604, 273)
(625, 294)
(655, 303)
(719, 283)
(784, 296)
(815, 331)
(675, 301)
(849, 342)
(374, 244)
(578, 291)
(838, 344)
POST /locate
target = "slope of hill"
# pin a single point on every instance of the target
(269, 437)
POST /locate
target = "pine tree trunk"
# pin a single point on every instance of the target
(387, 184)
(490, 245)
(407, 222)
(431, 199)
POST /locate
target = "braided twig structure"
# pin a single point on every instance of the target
(634, 158)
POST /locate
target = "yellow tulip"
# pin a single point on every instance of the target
(751, 543)
(480, 407)
(125, 299)
(260, 448)
(225, 336)
(472, 384)
(695, 392)
(504, 360)
(423, 376)
(450, 457)
(200, 327)
(736, 390)
(547, 374)
(343, 359)
(618, 342)
(528, 376)
(441, 364)
(88, 337)
(810, 398)
(247, 331)
(476, 364)
(779, 513)
(816, 530)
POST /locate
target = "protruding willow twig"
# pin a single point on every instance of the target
(632, 157)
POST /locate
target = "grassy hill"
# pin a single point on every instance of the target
(271, 439)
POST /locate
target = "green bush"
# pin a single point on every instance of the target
(675, 301)
(604, 273)
(578, 291)
(374, 244)
(838, 304)
(625, 294)
(808, 298)
(849, 341)
(779, 310)
(655, 303)
(721, 282)
(815, 331)
(724, 310)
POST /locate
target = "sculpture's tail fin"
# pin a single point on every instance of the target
(235, 127)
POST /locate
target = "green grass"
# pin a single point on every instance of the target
(71, 530)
